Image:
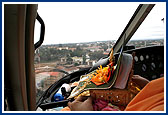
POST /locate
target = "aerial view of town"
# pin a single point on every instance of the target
(52, 62)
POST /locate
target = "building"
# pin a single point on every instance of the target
(78, 60)
(62, 48)
(72, 49)
(91, 62)
(64, 59)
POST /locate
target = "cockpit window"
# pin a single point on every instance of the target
(152, 30)
(78, 34)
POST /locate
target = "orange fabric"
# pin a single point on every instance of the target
(151, 97)
(66, 109)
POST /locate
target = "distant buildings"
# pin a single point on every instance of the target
(78, 60)
(45, 76)
(64, 59)
(91, 62)
(94, 48)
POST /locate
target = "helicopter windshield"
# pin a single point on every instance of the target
(79, 34)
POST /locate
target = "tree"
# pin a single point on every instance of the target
(105, 47)
(84, 59)
(78, 52)
(69, 60)
(96, 55)
(76, 64)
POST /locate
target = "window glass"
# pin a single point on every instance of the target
(152, 30)
(79, 34)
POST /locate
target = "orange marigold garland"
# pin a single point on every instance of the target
(103, 74)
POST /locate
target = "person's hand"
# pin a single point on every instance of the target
(140, 81)
(81, 104)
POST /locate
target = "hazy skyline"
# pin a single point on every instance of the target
(74, 22)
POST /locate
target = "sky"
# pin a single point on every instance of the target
(75, 22)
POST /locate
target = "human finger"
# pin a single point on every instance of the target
(81, 98)
(93, 95)
(69, 104)
(140, 80)
(88, 100)
(88, 104)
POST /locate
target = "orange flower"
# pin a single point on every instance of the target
(101, 75)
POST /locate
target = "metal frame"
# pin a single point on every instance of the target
(139, 16)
